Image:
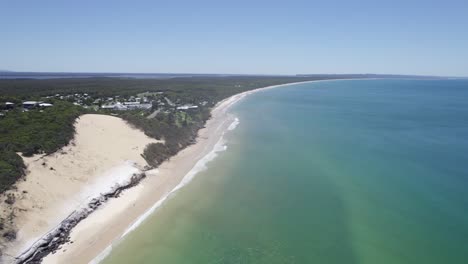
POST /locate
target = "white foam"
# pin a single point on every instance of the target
(110, 180)
(234, 124)
(199, 166)
(102, 255)
(113, 178)
(223, 106)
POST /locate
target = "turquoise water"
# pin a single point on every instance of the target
(372, 171)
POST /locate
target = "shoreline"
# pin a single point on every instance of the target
(91, 244)
(59, 184)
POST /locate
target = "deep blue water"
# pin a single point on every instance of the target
(362, 171)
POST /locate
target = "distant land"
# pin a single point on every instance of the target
(6, 74)
(373, 75)
(57, 127)
(58, 75)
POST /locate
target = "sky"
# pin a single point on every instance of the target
(240, 37)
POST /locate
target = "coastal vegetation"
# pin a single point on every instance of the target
(181, 106)
(178, 130)
(33, 132)
(188, 89)
(38, 117)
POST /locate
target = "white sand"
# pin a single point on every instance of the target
(93, 237)
(100, 150)
(105, 150)
(107, 225)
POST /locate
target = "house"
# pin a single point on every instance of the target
(120, 106)
(137, 105)
(30, 104)
(111, 106)
(141, 106)
(9, 105)
(116, 106)
(131, 103)
(186, 107)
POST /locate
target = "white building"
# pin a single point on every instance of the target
(30, 104)
(108, 106)
(186, 107)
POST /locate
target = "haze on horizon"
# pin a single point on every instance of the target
(241, 37)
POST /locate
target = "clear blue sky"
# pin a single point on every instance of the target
(238, 36)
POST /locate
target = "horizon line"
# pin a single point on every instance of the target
(231, 74)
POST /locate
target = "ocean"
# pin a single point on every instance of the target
(350, 171)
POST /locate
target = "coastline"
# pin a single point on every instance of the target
(92, 239)
(58, 185)
(237, 205)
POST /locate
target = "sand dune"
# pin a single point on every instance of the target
(96, 233)
(93, 237)
(104, 151)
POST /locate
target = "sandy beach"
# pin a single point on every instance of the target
(93, 237)
(104, 147)
(95, 234)
(105, 150)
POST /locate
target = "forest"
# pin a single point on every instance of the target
(211, 89)
(47, 130)
(33, 132)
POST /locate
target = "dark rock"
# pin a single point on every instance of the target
(53, 241)
(10, 235)
(10, 199)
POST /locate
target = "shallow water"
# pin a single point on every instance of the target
(362, 171)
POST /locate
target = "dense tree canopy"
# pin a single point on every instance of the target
(47, 130)
(33, 132)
